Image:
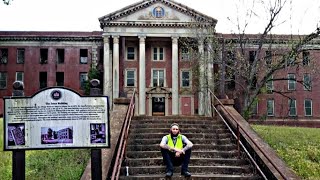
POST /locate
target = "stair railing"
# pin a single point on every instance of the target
(237, 136)
(123, 139)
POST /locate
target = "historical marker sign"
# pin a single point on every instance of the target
(56, 118)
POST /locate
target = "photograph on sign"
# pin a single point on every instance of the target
(98, 133)
(56, 118)
(56, 135)
(16, 134)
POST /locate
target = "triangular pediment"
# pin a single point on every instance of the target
(156, 13)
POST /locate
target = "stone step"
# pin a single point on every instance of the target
(179, 121)
(173, 118)
(189, 135)
(195, 154)
(203, 147)
(193, 169)
(208, 176)
(194, 140)
(193, 162)
(182, 126)
(188, 130)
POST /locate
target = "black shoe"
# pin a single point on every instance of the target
(186, 174)
(169, 174)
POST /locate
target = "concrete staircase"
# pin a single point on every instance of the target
(214, 154)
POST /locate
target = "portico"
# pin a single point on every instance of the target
(141, 51)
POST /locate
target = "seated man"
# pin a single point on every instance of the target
(176, 150)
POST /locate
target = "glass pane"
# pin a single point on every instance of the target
(155, 54)
(130, 74)
(270, 107)
(161, 54)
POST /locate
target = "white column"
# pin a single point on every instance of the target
(115, 66)
(107, 73)
(142, 75)
(201, 79)
(210, 78)
(175, 77)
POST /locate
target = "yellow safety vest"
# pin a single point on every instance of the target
(179, 143)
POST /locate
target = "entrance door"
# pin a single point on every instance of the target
(158, 106)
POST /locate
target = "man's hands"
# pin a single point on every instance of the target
(178, 152)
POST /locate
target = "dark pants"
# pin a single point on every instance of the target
(170, 160)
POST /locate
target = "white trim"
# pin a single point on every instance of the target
(22, 75)
(190, 78)
(135, 53)
(158, 54)
(135, 77)
(305, 112)
(293, 81)
(164, 76)
(295, 107)
(272, 107)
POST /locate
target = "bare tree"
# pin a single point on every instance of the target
(250, 62)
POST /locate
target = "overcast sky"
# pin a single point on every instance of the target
(298, 16)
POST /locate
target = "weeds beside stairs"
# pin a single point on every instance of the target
(214, 154)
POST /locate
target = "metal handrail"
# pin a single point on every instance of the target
(123, 140)
(239, 141)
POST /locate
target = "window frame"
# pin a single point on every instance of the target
(158, 54)
(268, 57)
(272, 106)
(21, 56)
(294, 107)
(134, 78)
(182, 79)
(309, 86)
(134, 53)
(305, 58)
(158, 80)
(270, 85)
(293, 82)
(83, 59)
(58, 51)
(5, 80)
(44, 60)
(4, 55)
(185, 54)
(82, 83)
(305, 108)
(16, 78)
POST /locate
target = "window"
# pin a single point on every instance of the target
(268, 57)
(83, 80)
(291, 82)
(43, 80)
(308, 107)
(306, 58)
(43, 56)
(292, 107)
(307, 82)
(269, 85)
(158, 78)
(185, 54)
(131, 53)
(158, 54)
(60, 78)
(130, 78)
(185, 78)
(83, 56)
(3, 80)
(252, 55)
(3, 56)
(19, 76)
(270, 107)
(60, 56)
(254, 108)
(20, 56)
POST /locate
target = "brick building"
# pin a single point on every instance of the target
(139, 48)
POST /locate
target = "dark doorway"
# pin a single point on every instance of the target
(158, 106)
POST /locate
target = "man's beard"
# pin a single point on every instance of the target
(172, 135)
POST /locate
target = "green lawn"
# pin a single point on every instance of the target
(62, 164)
(298, 147)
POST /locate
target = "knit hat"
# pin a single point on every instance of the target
(174, 124)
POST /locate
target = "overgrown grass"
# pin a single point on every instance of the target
(62, 164)
(298, 147)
